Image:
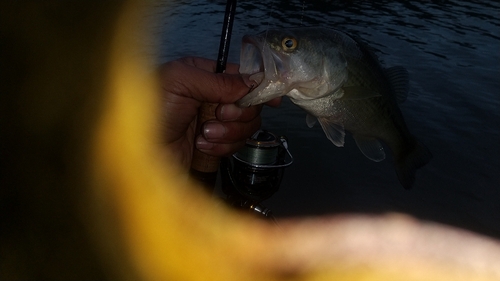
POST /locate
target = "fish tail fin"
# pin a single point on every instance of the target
(407, 166)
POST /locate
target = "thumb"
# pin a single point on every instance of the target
(190, 81)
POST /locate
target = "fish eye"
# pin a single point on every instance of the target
(289, 44)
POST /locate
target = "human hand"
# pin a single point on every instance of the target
(188, 82)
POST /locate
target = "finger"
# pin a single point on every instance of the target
(210, 65)
(232, 68)
(228, 132)
(187, 80)
(201, 63)
(218, 149)
(274, 102)
(231, 112)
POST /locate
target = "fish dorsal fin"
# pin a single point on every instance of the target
(358, 93)
(310, 120)
(334, 132)
(399, 80)
(370, 147)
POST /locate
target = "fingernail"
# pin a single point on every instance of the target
(230, 112)
(203, 144)
(213, 130)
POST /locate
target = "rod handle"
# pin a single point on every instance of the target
(204, 167)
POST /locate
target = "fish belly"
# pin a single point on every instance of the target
(371, 118)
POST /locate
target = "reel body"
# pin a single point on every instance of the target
(254, 173)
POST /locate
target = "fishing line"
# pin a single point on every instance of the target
(271, 8)
(259, 150)
(259, 155)
(302, 14)
(265, 150)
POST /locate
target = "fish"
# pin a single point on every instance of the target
(340, 82)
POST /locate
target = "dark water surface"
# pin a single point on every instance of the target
(452, 52)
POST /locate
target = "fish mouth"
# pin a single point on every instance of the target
(251, 61)
(264, 67)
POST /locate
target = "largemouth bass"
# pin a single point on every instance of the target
(339, 81)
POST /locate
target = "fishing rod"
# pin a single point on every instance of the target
(204, 167)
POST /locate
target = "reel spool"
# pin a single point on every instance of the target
(254, 173)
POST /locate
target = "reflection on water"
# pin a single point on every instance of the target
(451, 50)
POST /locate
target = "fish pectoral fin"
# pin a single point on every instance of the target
(358, 93)
(370, 147)
(334, 132)
(310, 120)
(400, 82)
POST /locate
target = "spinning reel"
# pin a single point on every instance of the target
(254, 173)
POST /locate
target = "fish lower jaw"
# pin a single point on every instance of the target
(264, 92)
(253, 98)
(257, 77)
(244, 103)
